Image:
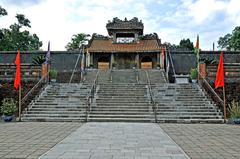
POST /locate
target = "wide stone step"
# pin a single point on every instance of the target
(68, 112)
(137, 113)
(117, 109)
(33, 109)
(193, 107)
(188, 113)
(55, 115)
(173, 120)
(147, 115)
(185, 103)
(187, 110)
(53, 119)
(122, 105)
(122, 93)
(115, 97)
(59, 104)
(58, 107)
(120, 100)
(95, 119)
(64, 96)
(179, 116)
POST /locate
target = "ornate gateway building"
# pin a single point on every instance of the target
(125, 47)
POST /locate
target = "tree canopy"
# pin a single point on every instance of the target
(16, 37)
(186, 44)
(3, 11)
(76, 40)
(230, 41)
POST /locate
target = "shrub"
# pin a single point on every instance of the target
(234, 109)
(53, 74)
(38, 60)
(193, 73)
(8, 106)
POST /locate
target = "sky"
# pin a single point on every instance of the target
(57, 20)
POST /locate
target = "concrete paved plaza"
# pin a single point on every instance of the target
(118, 140)
(31, 139)
(206, 141)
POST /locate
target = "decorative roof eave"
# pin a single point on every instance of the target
(114, 51)
(117, 24)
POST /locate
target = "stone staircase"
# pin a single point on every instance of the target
(59, 102)
(123, 96)
(122, 102)
(155, 76)
(124, 76)
(184, 103)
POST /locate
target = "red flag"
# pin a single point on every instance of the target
(219, 82)
(163, 57)
(17, 81)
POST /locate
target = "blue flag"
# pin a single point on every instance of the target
(47, 57)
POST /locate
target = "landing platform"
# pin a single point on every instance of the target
(117, 141)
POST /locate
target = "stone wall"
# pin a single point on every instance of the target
(185, 60)
(62, 61)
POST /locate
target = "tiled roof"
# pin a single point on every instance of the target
(106, 45)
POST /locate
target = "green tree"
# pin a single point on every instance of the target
(186, 44)
(230, 41)
(3, 12)
(235, 39)
(76, 40)
(13, 38)
(224, 42)
(170, 46)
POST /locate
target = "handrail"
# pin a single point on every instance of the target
(90, 96)
(204, 81)
(34, 87)
(80, 54)
(111, 78)
(151, 97)
(170, 56)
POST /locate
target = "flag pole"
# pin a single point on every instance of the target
(224, 105)
(19, 104)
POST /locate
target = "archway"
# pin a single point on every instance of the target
(103, 62)
(146, 62)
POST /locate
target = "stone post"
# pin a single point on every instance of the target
(45, 71)
(159, 60)
(112, 61)
(202, 70)
(137, 60)
(91, 58)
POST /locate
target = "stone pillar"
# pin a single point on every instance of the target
(91, 58)
(45, 71)
(159, 60)
(136, 37)
(137, 60)
(202, 70)
(112, 60)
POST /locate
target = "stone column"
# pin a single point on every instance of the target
(202, 70)
(159, 59)
(91, 58)
(137, 60)
(112, 60)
